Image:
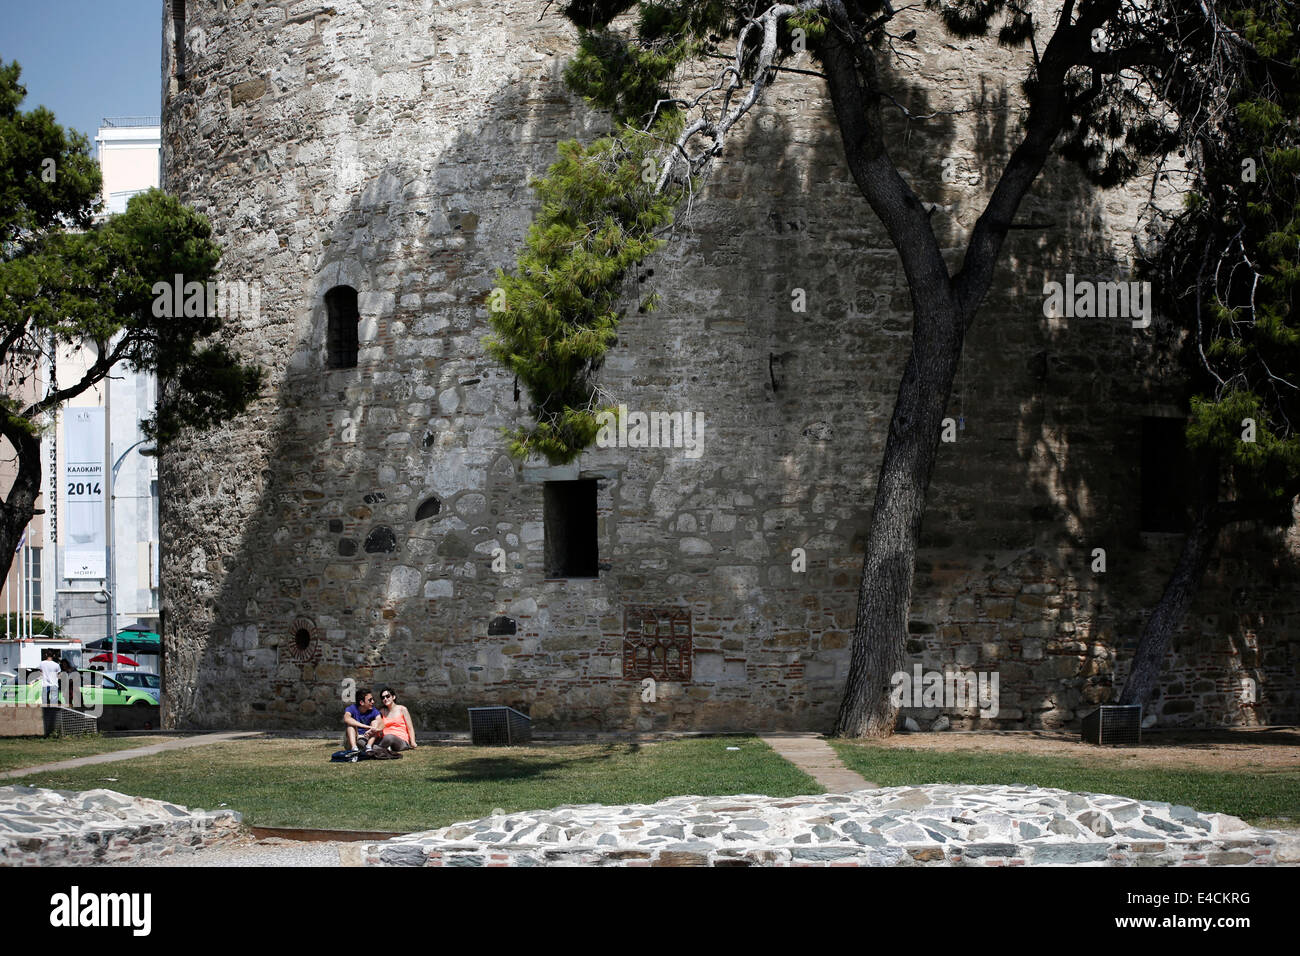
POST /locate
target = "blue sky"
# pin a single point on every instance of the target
(86, 59)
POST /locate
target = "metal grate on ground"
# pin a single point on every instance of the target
(71, 723)
(1114, 726)
(499, 727)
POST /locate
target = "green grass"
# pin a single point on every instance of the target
(1264, 796)
(291, 782)
(18, 752)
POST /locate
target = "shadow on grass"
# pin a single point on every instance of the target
(480, 769)
(1195, 739)
(1192, 738)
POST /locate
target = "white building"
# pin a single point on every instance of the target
(128, 148)
(129, 154)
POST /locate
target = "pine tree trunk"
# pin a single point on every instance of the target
(885, 595)
(943, 308)
(1168, 614)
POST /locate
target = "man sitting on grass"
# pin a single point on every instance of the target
(359, 717)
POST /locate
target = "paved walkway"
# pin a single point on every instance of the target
(814, 756)
(116, 755)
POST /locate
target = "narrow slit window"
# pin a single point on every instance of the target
(341, 332)
(178, 38)
(569, 512)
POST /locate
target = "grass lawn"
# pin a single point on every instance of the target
(1265, 795)
(17, 752)
(290, 782)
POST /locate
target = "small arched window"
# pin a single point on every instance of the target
(341, 333)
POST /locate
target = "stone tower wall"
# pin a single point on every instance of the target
(387, 147)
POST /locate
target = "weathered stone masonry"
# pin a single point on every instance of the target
(387, 148)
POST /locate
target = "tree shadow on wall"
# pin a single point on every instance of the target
(1054, 411)
(1014, 510)
(331, 481)
(368, 486)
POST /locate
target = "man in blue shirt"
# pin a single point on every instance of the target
(358, 717)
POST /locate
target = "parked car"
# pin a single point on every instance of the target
(144, 680)
(97, 689)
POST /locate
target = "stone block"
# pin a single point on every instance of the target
(1064, 854)
(247, 91)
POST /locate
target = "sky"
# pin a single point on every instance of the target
(86, 59)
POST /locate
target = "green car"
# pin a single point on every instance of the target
(97, 690)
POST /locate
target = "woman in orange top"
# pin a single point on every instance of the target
(395, 731)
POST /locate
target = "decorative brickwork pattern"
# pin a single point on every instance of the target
(657, 643)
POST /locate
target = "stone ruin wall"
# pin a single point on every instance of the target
(389, 149)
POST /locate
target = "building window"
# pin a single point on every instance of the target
(1166, 492)
(341, 333)
(33, 571)
(569, 513)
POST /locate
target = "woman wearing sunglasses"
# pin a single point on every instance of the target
(393, 728)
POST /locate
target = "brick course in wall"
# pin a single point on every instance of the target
(389, 149)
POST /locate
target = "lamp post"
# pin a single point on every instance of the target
(105, 597)
(110, 582)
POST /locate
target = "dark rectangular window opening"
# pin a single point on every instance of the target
(341, 341)
(1166, 468)
(569, 512)
(178, 39)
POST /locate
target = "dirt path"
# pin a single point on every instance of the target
(251, 852)
(1236, 749)
(115, 755)
(814, 756)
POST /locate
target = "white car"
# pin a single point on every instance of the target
(144, 680)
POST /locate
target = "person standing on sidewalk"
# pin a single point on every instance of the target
(69, 683)
(49, 679)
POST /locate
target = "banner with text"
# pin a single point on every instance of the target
(83, 488)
